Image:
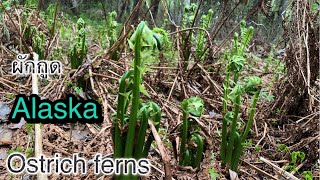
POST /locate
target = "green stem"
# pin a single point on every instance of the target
(199, 141)
(225, 93)
(236, 152)
(187, 158)
(223, 139)
(239, 148)
(235, 78)
(251, 115)
(156, 119)
(236, 158)
(118, 149)
(135, 91)
(83, 49)
(184, 136)
(142, 132)
(236, 46)
(224, 123)
(233, 128)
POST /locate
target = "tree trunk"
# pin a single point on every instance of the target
(123, 8)
(154, 9)
(41, 5)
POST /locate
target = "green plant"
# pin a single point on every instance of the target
(188, 15)
(201, 37)
(248, 143)
(26, 26)
(78, 90)
(213, 174)
(297, 156)
(31, 3)
(57, 53)
(265, 95)
(275, 66)
(39, 44)
(29, 128)
(192, 106)
(17, 149)
(49, 16)
(135, 90)
(279, 70)
(151, 44)
(257, 149)
(7, 5)
(130, 88)
(153, 112)
(65, 32)
(162, 38)
(32, 35)
(236, 59)
(252, 87)
(283, 147)
(167, 52)
(291, 168)
(232, 143)
(278, 111)
(112, 26)
(269, 60)
(29, 152)
(10, 96)
(307, 175)
(315, 7)
(188, 18)
(79, 50)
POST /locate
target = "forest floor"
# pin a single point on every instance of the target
(273, 137)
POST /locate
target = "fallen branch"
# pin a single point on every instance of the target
(279, 170)
(164, 155)
(259, 170)
(37, 128)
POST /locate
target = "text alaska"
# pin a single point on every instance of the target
(68, 110)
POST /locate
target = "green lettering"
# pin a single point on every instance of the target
(23, 110)
(33, 108)
(92, 111)
(45, 110)
(73, 109)
(56, 107)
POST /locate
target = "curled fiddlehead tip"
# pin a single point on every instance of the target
(158, 41)
(251, 29)
(252, 84)
(236, 63)
(229, 116)
(236, 36)
(190, 8)
(236, 91)
(148, 37)
(199, 152)
(80, 23)
(113, 14)
(134, 35)
(193, 105)
(243, 23)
